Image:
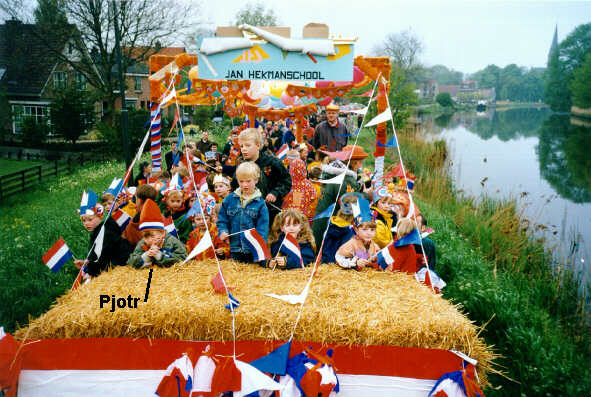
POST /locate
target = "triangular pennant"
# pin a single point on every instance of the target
(253, 380)
(380, 118)
(391, 143)
(201, 246)
(218, 284)
(293, 299)
(337, 180)
(98, 242)
(326, 213)
(275, 362)
(411, 238)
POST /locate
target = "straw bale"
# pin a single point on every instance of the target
(343, 307)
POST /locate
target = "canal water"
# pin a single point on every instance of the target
(540, 159)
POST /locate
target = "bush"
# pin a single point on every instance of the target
(444, 99)
(72, 113)
(34, 133)
(137, 127)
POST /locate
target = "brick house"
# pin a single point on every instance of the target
(29, 71)
(137, 85)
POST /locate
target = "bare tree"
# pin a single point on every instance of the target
(404, 48)
(255, 14)
(145, 26)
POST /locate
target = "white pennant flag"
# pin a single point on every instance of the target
(360, 111)
(337, 180)
(98, 242)
(380, 118)
(141, 149)
(293, 299)
(171, 94)
(252, 380)
(203, 244)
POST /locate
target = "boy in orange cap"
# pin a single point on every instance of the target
(156, 247)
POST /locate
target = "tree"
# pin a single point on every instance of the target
(489, 77)
(556, 93)
(72, 113)
(50, 12)
(5, 115)
(443, 75)
(144, 25)
(581, 84)
(255, 14)
(444, 99)
(575, 47)
(404, 48)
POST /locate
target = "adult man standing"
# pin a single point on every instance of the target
(331, 133)
(169, 157)
(204, 144)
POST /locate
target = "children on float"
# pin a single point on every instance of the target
(382, 211)
(145, 171)
(428, 244)
(405, 256)
(243, 209)
(331, 192)
(202, 223)
(156, 247)
(132, 232)
(173, 206)
(274, 181)
(303, 194)
(358, 252)
(339, 229)
(291, 222)
(222, 187)
(115, 249)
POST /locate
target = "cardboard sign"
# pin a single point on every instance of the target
(269, 62)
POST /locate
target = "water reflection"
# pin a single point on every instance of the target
(565, 160)
(542, 160)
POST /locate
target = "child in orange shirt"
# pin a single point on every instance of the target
(222, 249)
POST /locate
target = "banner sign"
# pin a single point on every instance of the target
(269, 62)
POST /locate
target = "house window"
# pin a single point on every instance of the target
(59, 79)
(40, 113)
(130, 103)
(138, 83)
(81, 81)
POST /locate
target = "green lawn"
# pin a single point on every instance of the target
(10, 166)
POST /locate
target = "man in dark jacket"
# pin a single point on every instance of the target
(331, 133)
(169, 157)
(275, 180)
(204, 144)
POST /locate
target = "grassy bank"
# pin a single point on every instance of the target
(8, 166)
(29, 224)
(503, 280)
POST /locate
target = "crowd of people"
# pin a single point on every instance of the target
(262, 179)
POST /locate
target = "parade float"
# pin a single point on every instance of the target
(209, 327)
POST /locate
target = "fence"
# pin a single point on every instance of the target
(20, 181)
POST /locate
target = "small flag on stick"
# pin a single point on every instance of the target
(257, 245)
(58, 254)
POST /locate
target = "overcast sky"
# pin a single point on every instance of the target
(465, 35)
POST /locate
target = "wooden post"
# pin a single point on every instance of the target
(55, 167)
(23, 180)
(39, 172)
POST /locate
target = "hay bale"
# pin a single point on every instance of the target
(343, 307)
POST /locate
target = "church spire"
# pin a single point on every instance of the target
(554, 41)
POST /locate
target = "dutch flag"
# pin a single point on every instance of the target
(291, 247)
(282, 152)
(58, 254)
(256, 244)
(122, 218)
(170, 227)
(386, 256)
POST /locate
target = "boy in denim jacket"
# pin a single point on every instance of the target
(243, 209)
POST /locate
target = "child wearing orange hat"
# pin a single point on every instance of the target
(156, 247)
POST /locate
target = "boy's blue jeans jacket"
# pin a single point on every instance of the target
(239, 214)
